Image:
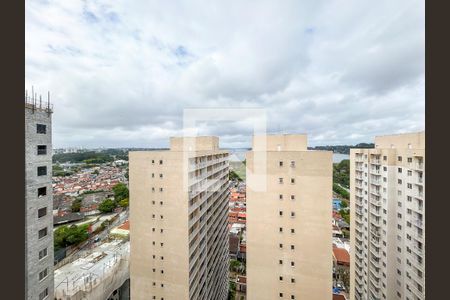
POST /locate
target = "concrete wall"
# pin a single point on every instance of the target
(32, 203)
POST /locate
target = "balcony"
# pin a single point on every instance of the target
(375, 192)
(375, 171)
(419, 165)
(375, 161)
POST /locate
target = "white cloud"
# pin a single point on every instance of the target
(121, 73)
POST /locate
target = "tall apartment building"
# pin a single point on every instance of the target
(388, 218)
(38, 200)
(289, 210)
(178, 221)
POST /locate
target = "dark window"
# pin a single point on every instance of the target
(160, 162)
(43, 294)
(399, 158)
(281, 163)
(43, 253)
(41, 171)
(42, 149)
(42, 212)
(43, 274)
(42, 191)
(41, 128)
(42, 232)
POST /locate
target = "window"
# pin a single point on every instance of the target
(292, 297)
(42, 233)
(153, 202)
(43, 253)
(281, 295)
(162, 230)
(153, 216)
(41, 128)
(42, 171)
(160, 189)
(292, 164)
(399, 170)
(385, 169)
(153, 175)
(281, 213)
(292, 230)
(281, 197)
(292, 247)
(41, 149)
(410, 159)
(292, 197)
(161, 203)
(43, 274)
(399, 158)
(42, 212)
(160, 162)
(409, 173)
(280, 163)
(280, 180)
(281, 278)
(399, 181)
(153, 161)
(153, 229)
(153, 189)
(292, 180)
(292, 280)
(409, 186)
(281, 229)
(154, 270)
(281, 246)
(162, 217)
(280, 261)
(160, 175)
(43, 294)
(292, 264)
(42, 191)
(292, 214)
(384, 157)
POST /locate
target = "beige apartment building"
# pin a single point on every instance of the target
(289, 210)
(178, 221)
(387, 188)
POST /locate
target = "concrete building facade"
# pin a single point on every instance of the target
(178, 221)
(38, 201)
(387, 200)
(289, 232)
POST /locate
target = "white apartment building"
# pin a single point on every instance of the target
(178, 221)
(289, 212)
(387, 188)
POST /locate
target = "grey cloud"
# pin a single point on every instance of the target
(124, 78)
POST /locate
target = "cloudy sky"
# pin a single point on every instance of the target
(121, 73)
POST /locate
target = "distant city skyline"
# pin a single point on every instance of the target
(120, 73)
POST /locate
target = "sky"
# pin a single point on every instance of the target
(121, 73)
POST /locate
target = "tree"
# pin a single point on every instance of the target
(344, 277)
(124, 203)
(234, 176)
(120, 192)
(70, 235)
(76, 205)
(107, 206)
(232, 290)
